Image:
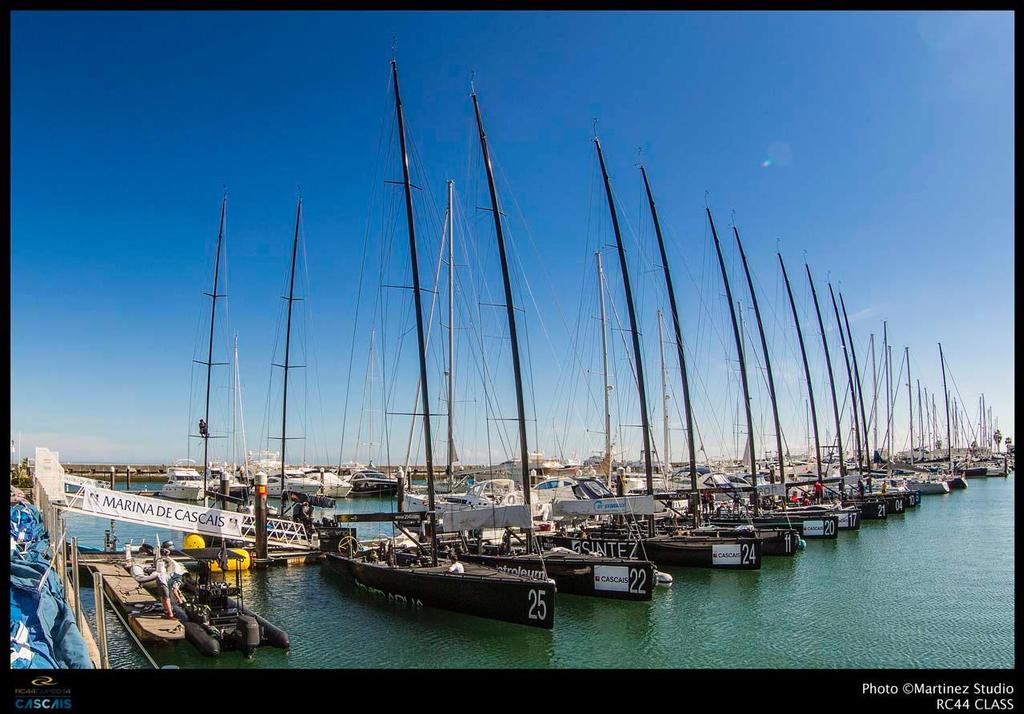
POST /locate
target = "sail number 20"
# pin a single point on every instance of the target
(538, 607)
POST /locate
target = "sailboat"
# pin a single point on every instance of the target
(715, 548)
(573, 572)
(416, 576)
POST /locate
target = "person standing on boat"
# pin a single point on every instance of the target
(870, 487)
(860, 487)
(819, 490)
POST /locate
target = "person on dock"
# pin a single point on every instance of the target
(163, 585)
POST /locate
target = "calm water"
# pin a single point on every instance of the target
(932, 588)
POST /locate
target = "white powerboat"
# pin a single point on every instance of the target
(184, 482)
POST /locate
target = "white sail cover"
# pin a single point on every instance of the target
(637, 505)
(468, 519)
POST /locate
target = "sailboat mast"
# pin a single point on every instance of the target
(888, 376)
(921, 418)
(667, 454)
(945, 390)
(451, 336)
(428, 444)
(910, 403)
(205, 434)
(743, 364)
(524, 453)
(369, 397)
(831, 377)
(874, 397)
(860, 391)
(807, 368)
(604, 363)
(767, 359)
(641, 388)
(287, 350)
(853, 387)
(890, 399)
(687, 408)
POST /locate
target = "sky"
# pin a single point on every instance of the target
(878, 147)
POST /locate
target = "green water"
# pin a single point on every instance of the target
(932, 588)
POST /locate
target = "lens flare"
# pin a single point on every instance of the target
(766, 163)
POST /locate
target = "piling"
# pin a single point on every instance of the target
(79, 620)
(101, 618)
(113, 478)
(224, 488)
(261, 515)
(128, 476)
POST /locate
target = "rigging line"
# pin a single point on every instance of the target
(362, 266)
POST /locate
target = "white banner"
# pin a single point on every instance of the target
(611, 577)
(726, 554)
(636, 505)
(161, 512)
(814, 528)
(468, 519)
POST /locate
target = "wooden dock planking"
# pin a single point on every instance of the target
(126, 591)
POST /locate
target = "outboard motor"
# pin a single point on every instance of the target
(247, 632)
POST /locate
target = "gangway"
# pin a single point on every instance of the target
(75, 495)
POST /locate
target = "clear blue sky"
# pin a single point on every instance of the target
(879, 143)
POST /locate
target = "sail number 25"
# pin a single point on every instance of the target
(538, 607)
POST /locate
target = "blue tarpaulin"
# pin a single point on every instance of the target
(43, 630)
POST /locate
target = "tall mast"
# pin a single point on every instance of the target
(524, 454)
(241, 411)
(369, 393)
(687, 408)
(451, 335)
(287, 349)
(807, 368)
(910, 402)
(945, 391)
(853, 387)
(935, 421)
(921, 417)
(641, 388)
(667, 453)
(874, 398)
(767, 360)
(604, 361)
(856, 374)
(743, 364)
(889, 399)
(888, 376)
(428, 445)
(205, 433)
(831, 377)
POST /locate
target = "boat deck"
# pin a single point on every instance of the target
(130, 597)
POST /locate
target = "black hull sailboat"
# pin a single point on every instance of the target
(615, 578)
(479, 590)
(416, 577)
(667, 551)
(809, 525)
